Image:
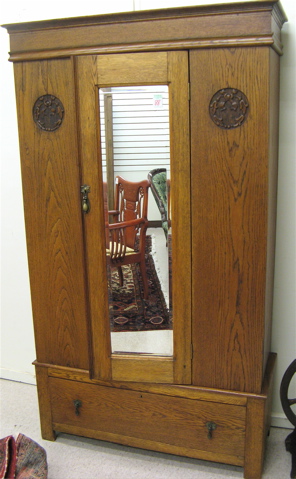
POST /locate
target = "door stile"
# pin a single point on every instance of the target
(91, 175)
(181, 213)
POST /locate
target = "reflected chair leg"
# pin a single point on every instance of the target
(144, 278)
(120, 274)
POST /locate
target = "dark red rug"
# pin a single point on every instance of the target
(129, 311)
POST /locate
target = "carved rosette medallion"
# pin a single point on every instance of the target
(48, 112)
(229, 108)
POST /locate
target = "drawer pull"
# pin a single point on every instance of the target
(77, 405)
(211, 426)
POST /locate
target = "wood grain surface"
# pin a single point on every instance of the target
(168, 420)
(51, 189)
(230, 197)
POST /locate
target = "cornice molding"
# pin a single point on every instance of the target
(255, 23)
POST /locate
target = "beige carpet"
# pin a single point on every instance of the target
(72, 457)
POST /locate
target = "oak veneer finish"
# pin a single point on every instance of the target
(173, 421)
(50, 174)
(223, 190)
(234, 183)
(174, 417)
(252, 23)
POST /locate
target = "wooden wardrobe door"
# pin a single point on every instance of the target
(51, 188)
(159, 68)
(233, 196)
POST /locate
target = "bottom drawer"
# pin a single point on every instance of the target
(153, 421)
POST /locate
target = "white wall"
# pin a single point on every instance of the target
(17, 343)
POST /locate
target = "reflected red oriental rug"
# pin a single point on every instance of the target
(127, 307)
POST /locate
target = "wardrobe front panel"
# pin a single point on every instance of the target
(51, 189)
(230, 189)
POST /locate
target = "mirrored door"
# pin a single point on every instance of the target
(134, 143)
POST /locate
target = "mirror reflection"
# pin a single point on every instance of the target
(136, 174)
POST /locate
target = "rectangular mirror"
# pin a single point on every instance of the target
(135, 141)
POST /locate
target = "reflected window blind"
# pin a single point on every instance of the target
(140, 119)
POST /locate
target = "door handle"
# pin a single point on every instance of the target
(85, 190)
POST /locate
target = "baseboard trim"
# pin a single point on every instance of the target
(18, 376)
(280, 420)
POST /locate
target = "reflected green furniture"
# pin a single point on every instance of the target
(160, 187)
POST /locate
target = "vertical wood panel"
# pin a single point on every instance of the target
(181, 214)
(230, 203)
(94, 222)
(272, 192)
(52, 214)
(258, 423)
(44, 403)
(255, 438)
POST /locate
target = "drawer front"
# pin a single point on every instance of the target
(174, 421)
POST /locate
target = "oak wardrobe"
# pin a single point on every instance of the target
(208, 78)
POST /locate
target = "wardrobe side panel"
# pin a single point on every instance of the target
(272, 192)
(229, 221)
(51, 189)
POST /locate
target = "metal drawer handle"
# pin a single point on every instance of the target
(211, 426)
(77, 404)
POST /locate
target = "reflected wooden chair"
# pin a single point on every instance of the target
(127, 232)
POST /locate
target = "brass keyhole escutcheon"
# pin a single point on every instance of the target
(211, 426)
(77, 405)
